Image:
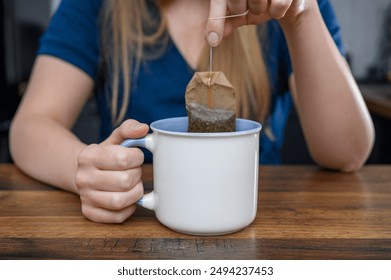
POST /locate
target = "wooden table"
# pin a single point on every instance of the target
(304, 213)
(378, 98)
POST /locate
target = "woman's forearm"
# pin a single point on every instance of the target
(335, 121)
(45, 150)
(41, 142)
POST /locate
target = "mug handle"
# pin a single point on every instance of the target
(149, 200)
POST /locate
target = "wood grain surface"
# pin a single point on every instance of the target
(304, 212)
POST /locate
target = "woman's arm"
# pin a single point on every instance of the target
(335, 121)
(106, 176)
(40, 138)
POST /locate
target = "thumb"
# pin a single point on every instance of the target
(128, 129)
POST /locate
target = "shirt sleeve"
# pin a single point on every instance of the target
(73, 35)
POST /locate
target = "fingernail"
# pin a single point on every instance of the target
(213, 39)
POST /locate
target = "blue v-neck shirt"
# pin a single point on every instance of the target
(158, 92)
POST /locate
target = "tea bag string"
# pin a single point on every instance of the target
(211, 48)
(230, 16)
(210, 64)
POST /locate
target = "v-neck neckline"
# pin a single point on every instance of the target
(178, 51)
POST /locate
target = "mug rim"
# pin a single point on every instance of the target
(255, 127)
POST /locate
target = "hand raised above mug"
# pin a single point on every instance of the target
(108, 176)
(252, 12)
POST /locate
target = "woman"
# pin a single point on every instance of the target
(138, 56)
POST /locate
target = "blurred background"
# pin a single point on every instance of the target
(366, 31)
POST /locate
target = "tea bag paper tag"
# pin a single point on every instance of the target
(211, 83)
(210, 103)
(208, 78)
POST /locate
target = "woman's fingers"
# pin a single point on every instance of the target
(128, 129)
(278, 8)
(110, 207)
(257, 7)
(216, 21)
(237, 7)
(108, 180)
(101, 215)
(110, 157)
(108, 176)
(221, 23)
(112, 200)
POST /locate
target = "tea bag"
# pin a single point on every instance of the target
(210, 103)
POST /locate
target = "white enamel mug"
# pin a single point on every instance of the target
(204, 183)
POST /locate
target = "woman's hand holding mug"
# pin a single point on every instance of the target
(108, 176)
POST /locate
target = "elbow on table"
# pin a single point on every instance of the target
(21, 147)
(352, 161)
(15, 147)
(353, 164)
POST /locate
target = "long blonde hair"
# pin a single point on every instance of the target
(132, 32)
